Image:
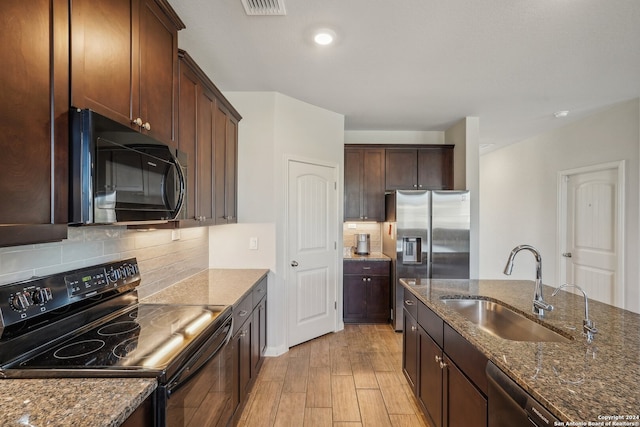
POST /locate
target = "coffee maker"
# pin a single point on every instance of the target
(362, 243)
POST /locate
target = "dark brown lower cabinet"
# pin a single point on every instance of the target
(431, 376)
(451, 388)
(366, 292)
(463, 402)
(248, 343)
(410, 350)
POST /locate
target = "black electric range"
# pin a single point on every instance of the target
(89, 323)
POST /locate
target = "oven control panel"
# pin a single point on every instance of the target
(24, 300)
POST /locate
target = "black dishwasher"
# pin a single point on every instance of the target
(510, 405)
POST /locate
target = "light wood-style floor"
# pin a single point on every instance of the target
(346, 379)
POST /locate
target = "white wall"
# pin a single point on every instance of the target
(465, 135)
(393, 137)
(274, 127)
(518, 189)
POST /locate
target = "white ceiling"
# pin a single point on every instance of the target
(424, 64)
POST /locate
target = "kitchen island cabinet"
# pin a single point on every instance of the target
(574, 380)
(34, 120)
(124, 62)
(445, 372)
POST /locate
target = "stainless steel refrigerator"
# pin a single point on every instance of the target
(426, 235)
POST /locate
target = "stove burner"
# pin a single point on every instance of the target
(125, 348)
(118, 328)
(78, 349)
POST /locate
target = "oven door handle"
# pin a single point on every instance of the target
(193, 365)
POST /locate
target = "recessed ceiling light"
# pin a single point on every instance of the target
(324, 37)
(560, 114)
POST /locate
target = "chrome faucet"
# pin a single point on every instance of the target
(539, 304)
(588, 326)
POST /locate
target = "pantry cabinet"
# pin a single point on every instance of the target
(34, 120)
(445, 371)
(424, 168)
(124, 62)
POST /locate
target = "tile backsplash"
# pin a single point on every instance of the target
(164, 256)
(373, 228)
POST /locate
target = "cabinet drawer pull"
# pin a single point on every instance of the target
(366, 268)
(243, 313)
(409, 302)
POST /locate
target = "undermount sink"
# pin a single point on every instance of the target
(499, 320)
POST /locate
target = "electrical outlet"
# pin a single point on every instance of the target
(351, 226)
(253, 243)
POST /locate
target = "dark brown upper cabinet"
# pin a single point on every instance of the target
(364, 184)
(34, 106)
(207, 134)
(424, 168)
(124, 62)
(225, 157)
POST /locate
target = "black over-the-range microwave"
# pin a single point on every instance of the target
(121, 176)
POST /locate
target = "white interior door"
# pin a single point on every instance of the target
(593, 251)
(312, 239)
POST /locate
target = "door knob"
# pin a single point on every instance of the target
(294, 263)
(567, 254)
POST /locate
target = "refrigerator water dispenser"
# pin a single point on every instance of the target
(412, 250)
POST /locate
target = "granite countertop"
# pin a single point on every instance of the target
(373, 256)
(81, 402)
(107, 402)
(215, 286)
(577, 381)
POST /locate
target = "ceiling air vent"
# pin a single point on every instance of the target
(264, 7)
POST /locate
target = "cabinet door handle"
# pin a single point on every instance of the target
(438, 359)
(243, 313)
(147, 126)
(414, 328)
(366, 268)
(368, 279)
(364, 279)
(443, 365)
(408, 302)
(137, 121)
(294, 263)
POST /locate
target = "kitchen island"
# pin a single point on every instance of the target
(108, 402)
(577, 381)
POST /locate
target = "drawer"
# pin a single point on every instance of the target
(372, 268)
(242, 312)
(431, 323)
(411, 303)
(469, 359)
(259, 291)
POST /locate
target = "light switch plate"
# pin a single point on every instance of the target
(253, 243)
